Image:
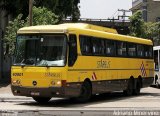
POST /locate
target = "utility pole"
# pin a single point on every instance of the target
(30, 12)
(124, 13)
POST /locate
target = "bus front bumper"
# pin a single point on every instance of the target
(73, 91)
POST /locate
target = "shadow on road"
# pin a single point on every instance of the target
(102, 98)
(4, 82)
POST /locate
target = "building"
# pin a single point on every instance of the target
(150, 9)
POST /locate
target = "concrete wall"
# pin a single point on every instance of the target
(150, 9)
(153, 10)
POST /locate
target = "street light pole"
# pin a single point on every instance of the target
(30, 12)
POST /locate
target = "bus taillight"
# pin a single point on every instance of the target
(63, 83)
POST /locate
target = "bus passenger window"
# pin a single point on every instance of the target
(85, 45)
(148, 52)
(72, 50)
(140, 50)
(110, 47)
(97, 46)
(131, 49)
(121, 48)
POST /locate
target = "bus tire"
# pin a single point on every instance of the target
(86, 92)
(42, 100)
(129, 90)
(137, 88)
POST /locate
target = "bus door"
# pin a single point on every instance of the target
(156, 60)
(157, 67)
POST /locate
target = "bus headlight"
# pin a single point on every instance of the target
(16, 82)
(54, 83)
(58, 82)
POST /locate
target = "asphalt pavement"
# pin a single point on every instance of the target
(110, 104)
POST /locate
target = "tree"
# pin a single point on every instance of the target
(155, 33)
(137, 25)
(148, 30)
(15, 7)
(41, 16)
(61, 8)
(11, 31)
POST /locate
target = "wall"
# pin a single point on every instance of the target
(153, 10)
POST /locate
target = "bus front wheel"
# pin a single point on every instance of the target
(86, 92)
(42, 100)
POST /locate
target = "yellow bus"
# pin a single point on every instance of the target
(79, 60)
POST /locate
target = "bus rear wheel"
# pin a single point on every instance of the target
(86, 92)
(129, 90)
(137, 88)
(42, 100)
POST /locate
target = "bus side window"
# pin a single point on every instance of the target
(72, 50)
(148, 51)
(140, 50)
(121, 49)
(97, 45)
(110, 48)
(85, 45)
(131, 49)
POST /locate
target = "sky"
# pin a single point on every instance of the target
(103, 9)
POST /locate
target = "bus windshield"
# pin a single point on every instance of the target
(42, 50)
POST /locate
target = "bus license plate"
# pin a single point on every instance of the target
(35, 93)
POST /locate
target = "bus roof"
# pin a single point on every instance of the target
(86, 29)
(63, 27)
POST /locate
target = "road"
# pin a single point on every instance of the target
(147, 103)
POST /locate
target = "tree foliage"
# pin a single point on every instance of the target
(148, 30)
(41, 16)
(11, 31)
(137, 25)
(155, 33)
(61, 8)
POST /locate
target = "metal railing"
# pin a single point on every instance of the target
(100, 20)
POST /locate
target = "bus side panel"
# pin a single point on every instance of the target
(110, 73)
